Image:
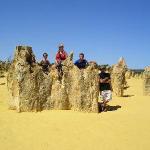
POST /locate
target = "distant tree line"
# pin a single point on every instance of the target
(4, 65)
(137, 71)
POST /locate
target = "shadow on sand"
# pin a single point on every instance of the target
(2, 76)
(109, 108)
(125, 88)
(113, 108)
(2, 83)
(128, 95)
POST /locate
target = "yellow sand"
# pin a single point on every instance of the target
(127, 128)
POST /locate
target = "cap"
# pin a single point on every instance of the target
(61, 45)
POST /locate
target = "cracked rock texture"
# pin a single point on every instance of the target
(32, 90)
(146, 81)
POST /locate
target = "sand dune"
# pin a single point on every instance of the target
(126, 127)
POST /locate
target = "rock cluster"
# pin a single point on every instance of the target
(32, 90)
(128, 74)
(146, 81)
(118, 77)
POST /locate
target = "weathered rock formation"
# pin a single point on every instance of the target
(32, 90)
(128, 74)
(118, 77)
(2, 70)
(146, 81)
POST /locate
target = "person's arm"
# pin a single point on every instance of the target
(87, 63)
(105, 80)
(108, 79)
(40, 63)
(49, 63)
(64, 54)
(101, 80)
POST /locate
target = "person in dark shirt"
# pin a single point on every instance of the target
(81, 63)
(45, 63)
(105, 87)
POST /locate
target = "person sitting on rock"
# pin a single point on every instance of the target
(105, 88)
(81, 63)
(45, 63)
(61, 54)
(60, 57)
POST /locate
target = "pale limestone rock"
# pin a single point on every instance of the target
(146, 81)
(118, 77)
(32, 90)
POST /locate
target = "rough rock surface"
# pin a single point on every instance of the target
(146, 84)
(32, 90)
(128, 74)
(118, 77)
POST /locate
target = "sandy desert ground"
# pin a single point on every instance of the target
(127, 127)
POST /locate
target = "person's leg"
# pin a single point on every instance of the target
(102, 93)
(60, 71)
(106, 97)
(105, 105)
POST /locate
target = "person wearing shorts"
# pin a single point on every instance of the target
(105, 88)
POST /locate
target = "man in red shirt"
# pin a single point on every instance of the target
(60, 57)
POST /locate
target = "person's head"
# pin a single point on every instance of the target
(103, 69)
(45, 55)
(81, 56)
(61, 47)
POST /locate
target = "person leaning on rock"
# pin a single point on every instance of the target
(81, 63)
(45, 63)
(105, 88)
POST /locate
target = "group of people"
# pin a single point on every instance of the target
(81, 63)
(61, 55)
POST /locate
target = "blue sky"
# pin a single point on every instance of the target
(103, 29)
